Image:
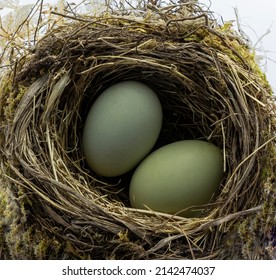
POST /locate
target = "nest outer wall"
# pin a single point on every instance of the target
(210, 88)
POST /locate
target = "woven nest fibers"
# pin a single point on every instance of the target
(53, 206)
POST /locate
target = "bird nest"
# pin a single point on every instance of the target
(54, 207)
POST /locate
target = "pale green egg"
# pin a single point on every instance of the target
(182, 175)
(121, 128)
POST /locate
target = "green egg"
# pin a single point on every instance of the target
(182, 175)
(121, 128)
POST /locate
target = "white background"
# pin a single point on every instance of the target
(257, 17)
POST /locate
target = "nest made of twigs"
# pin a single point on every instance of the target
(210, 88)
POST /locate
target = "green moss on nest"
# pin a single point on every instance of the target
(256, 236)
(9, 97)
(19, 238)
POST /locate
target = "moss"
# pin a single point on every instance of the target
(3, 205)
(254, 231)
(20, 237)
(9, 99)
(12, 102)
(224, 40)
(47, 247)
(268, 171)
(123, 236)
(21, 240)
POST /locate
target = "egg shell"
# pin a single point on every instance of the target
(121, 128)
(178, 176)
